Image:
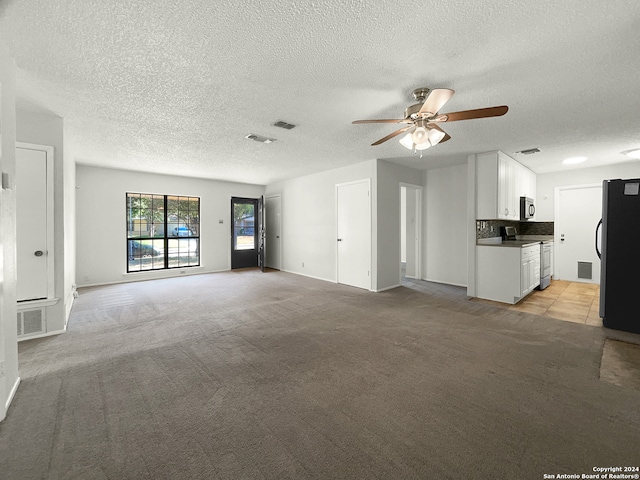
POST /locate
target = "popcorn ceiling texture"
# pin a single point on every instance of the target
(173, 87)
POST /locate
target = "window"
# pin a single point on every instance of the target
(243, 225)
(163, 231)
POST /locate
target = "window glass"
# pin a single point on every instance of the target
(163, 231)
(243, 226)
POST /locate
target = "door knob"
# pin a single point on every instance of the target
(38, 253)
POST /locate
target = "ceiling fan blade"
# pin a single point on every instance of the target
(385, 120)
(436, 100)
(391, 135)
(471, 114)
(436, 127)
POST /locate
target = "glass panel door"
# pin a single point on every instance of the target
(244, 232)
(244, 226)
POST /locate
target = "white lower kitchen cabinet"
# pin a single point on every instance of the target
(507, 274)
(529, 269)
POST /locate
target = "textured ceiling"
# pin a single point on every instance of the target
(173, 87)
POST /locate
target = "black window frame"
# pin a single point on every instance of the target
(166, 223)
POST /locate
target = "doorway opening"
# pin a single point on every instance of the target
(247, 236)
(410, 232)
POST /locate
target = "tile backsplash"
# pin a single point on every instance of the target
(491, 228)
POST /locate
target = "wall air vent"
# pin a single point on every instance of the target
(260, 138)
(585, 270)
(31, 322)
(529, 151)
(282, 124)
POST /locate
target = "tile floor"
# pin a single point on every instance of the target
(562, 300)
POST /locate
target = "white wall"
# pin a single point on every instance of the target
(446, 225)
(547, 182)
(48, 130)
(69, 226)
(101, 253)
(309, 219)
(8, 333)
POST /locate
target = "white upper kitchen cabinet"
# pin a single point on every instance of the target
(501, 181)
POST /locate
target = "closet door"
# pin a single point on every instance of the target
(354, 234)
(31, 223)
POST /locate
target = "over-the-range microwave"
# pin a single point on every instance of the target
(527, 208)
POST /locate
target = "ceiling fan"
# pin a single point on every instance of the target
(423, 118)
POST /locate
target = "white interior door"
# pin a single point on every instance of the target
(31, 223)
(354, 234)
(578, 212)
(273, 213)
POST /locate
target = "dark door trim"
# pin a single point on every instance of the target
(244, 257)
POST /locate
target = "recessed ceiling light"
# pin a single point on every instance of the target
(574, 160)
(635, 153)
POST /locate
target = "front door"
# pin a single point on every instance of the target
(31, 224)
(579, 210)
(244, 232)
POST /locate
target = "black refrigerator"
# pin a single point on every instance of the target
(620, 255)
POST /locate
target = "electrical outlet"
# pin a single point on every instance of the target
(85, 277)
(302, 264)
(2, 370)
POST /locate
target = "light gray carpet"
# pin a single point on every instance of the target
(244, 375)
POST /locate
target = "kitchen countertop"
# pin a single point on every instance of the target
(524, 241)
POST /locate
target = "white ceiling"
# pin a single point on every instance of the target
(174, 86)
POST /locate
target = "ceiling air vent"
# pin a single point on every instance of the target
(260, 138)
(530, 151)
(282, 124)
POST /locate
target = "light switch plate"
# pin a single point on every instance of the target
(6, 185)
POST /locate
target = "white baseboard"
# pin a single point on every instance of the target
(45, 334)
(309, 276)
(12, 394)
(143, 277)
(387, 288)
(445, 283)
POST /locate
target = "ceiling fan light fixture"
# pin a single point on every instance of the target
(420, 135)
(435, 136)
(407, 141)
(422, 146)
